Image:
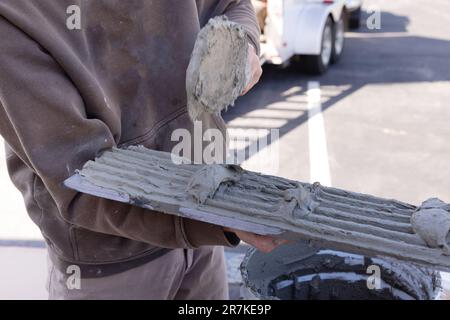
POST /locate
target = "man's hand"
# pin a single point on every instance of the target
(255, 70)
(262, 243)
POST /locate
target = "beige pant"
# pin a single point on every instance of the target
(180, 274)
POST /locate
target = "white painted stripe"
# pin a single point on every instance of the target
(318, 153)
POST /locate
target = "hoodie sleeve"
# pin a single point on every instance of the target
(239, 11)
(44, 121)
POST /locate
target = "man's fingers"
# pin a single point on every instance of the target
(279, 242)
(264, 244)
(269, 244)
(256, 70)
(255, 79)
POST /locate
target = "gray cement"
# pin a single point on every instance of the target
(218, 70)
(432, 222)
(204, 183)
(231, 197)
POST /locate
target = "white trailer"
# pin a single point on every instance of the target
(311, 30)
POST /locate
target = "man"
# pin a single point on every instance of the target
(67, 94)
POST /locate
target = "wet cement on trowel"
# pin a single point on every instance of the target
(328, 217)
(432, 222)
(218, 71)
(204, 184)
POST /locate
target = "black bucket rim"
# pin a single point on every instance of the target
(431, 292)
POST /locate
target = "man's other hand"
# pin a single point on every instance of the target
(264, 244)
(255, 69)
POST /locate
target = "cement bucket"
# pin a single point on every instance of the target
(300, 272)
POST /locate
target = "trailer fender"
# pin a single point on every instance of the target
(311, 21)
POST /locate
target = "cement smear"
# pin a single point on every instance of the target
(205, 182)
(432, 222)
(218, 70)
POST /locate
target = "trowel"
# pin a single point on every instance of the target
(268, 205)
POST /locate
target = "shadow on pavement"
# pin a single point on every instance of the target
(370, 57)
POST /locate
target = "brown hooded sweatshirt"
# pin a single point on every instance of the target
(67, 95)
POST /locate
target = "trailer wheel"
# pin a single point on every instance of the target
(354, 19)
(318, 64)
(338, 39)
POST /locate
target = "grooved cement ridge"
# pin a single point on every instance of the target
(232, 197)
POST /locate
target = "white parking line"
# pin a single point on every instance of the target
(318, 152)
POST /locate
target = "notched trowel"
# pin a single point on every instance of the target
(268, 205)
